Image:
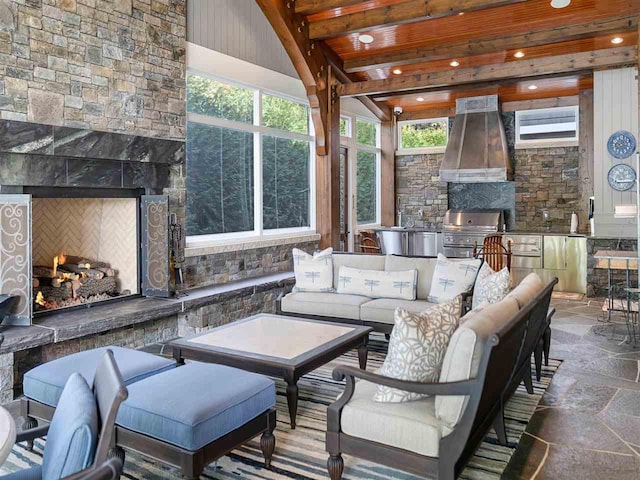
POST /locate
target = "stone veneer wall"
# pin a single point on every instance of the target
(548, 179)
(418, 187)
(233, 265)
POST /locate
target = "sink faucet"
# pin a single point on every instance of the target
(399, 217)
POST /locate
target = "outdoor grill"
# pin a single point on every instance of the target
(463, 229)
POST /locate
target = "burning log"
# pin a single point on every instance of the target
(43, 272)
(83, 262)
(88, 272)
(57, 294)
(35, 283)
(96, 286)
(108, 272)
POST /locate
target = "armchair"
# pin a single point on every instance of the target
(81, 431)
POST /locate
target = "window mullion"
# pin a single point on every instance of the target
(257, 164)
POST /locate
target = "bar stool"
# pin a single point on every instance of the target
(631, 314)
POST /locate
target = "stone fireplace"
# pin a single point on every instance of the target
(83, 217)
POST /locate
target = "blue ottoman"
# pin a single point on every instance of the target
(192, 415)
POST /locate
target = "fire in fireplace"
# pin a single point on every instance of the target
(73, 280)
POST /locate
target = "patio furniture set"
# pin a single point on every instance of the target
(214, 395)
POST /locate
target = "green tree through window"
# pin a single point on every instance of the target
(424, 134)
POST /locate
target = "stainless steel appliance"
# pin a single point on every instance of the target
(463, 229)
(394, 241)
(425, 244)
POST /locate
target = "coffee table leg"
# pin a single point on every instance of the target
(362, 354)
(292, 401)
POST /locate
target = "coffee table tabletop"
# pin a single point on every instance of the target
(276, 345)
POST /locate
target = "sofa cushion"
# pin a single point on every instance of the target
(416, 348)
(193, 405)
(73, 433)
(527, 290)
(378, 284)
(462, 359)
(491, 286)
(452, 277)
(314, 273)
(382, 309)
(45, 382)
(410, 426)
(324, 304)
(425, 267)
(367, 262)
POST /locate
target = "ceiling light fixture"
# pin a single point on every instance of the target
(533, 87)
(519, 54)
(397, 71)
(455, 63)
(617, 40)
(420, 99)
(366, 39)
(560, 3)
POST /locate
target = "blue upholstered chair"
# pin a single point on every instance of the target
(81, 430)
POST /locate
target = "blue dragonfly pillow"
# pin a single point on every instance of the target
(452, 278)
(314, 273)
(378, 283)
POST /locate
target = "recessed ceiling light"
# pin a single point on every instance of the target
(455, 63)
(533, 87)
(365, 39)
(397, 71)
(617, 40)
(420, 99)
(560, 3)
(519, 54)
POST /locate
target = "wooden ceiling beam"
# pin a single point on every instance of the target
(308, 7)
(400, 13)
(553, 65)
(620, 24)
(536, 103)
(427, 113)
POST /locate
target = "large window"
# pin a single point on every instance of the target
(367, 168)
(423, 135)
(249, 161)
(552, 126)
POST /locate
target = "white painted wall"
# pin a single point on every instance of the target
(615, 105)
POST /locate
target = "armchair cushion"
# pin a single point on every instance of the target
(526, 291)
(73, 433)
(491, 286)
(417, 347)
(46, 382)
(324, 304)
(410, 426)
(462, 359)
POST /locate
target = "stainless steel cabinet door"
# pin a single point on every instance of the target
(555, 252)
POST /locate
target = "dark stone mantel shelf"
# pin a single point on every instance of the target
(101, 318)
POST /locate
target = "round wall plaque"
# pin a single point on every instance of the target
(622, 177)
(621, 144)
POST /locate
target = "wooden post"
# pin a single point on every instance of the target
(388, 172)
(585, 156)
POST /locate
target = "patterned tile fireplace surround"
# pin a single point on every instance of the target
(72, 198)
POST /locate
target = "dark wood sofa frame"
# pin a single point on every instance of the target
(191, 464)
(500, 366)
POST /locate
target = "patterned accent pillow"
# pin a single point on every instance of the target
(378, 283)
(452, 277)
(416, 348)
(491, 286)
(314, 273)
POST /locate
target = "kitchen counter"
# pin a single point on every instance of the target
(405, 229)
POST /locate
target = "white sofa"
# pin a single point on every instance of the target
(377, 313)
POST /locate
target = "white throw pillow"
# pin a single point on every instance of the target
(417, 347)
(378, 283)
(314, 273)
(452, 278)
(491, 286)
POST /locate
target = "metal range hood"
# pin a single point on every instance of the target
(477, 149)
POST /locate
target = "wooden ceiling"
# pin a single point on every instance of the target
(418, 38)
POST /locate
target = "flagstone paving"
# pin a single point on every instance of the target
(587, 425)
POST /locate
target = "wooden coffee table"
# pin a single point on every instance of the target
(275, 345)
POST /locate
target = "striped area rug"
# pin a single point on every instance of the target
(300, 453)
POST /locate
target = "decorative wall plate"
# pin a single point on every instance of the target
(622, 177)
(621, 144)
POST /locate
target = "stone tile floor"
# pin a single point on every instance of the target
(587, 425)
